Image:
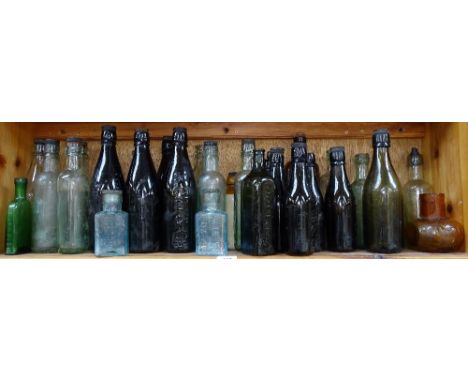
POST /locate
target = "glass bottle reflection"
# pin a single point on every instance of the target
(361, 163)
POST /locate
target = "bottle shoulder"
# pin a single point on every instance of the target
(417, 185)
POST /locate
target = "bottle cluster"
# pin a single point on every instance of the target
(265, 208)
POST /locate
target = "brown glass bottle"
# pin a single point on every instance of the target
(340, 210)
(434, 231)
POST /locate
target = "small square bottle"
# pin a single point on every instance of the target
(111, 226)
(211, 233)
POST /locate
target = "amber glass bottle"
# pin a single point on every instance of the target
(383, 203)
(340, 213)
(361, 162)
(434, 231)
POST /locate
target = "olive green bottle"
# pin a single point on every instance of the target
(361, 162)
(18, 223)
(383, 202)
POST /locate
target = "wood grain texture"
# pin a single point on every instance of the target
(16, 143)
(230, 130)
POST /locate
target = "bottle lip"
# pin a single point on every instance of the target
(179, 135)
(21, 180)
(381, 138)
(299, 152)
(415, 158)
(337, 154)
(210, 144)
(51, 146)
(362, 158)
(141, 136)
(110, 128)
(74, 140)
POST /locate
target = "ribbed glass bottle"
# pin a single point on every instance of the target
(361, 163)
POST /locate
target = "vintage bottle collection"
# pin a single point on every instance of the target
(264, 207)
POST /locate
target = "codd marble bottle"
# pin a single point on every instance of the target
(179, 198)
(317, 220)
(166, 151)
(211, 221)
(383, 204)
(277, 172)
(73, 202)
(340, 210)
(259, 216)
(44, 203)
(36, 166)
(248, 147)
(111, 226)
(298, 205)
(414, 187)
(230, 181)
(18, 221)
(143, 198)
(361, 162)
(107, 174)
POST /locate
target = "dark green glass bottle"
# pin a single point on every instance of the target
(276, 170)
(317, 225)
(18, 224)
(340, 210)
(259, 216)
(361, 161)
(383, 204)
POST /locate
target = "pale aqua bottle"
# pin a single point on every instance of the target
(111, 226)
(211, 230)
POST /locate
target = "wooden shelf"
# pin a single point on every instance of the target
(192, 256)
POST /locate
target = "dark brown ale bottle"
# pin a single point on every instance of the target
(107, 175)
(259, 216)
(143, 198)
(298, 204)
(276, 170)
(179, 198)
(317, 221)
(383, 202)
(340, 210)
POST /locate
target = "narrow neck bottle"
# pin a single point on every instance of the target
(210, 158)
(247, 160)
(361, 170)
(298, 171)
(20, 189)
(338, 174)
(74, 156)
(259, 161)
(416, 173)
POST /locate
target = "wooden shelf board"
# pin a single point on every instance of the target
(234, 130)
(192, 256)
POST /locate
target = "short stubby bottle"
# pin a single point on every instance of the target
(298, 205)
(361, 162)
(415, 186)
(179, 198)
(340, 210)
(73, 201)
(230, 181)
(111, 226)
(259, 216)
(44, 203)
(107, 174)
(211, 221)
(18, 221)
(248, 147)
(383, 202)
(317, 220)
(36, 166)
(277, 172)
(143, 198)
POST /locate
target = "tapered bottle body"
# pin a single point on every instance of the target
(230, 184)
(383, 203)
(277, 172)
(18, 221)
(179, 198)
(248, 147)
(361, 162)
(107, 175)
(317, 216)
(340, 209)
(73, 202)
(111, 226)
(44, 203)
(259, 216)
(143, 198)
(36, 166)
(298, 205)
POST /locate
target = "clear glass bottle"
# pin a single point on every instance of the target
(44, 203)
(340, 210)
(179, 198)
(277, 172)
(211, 221)
(230, 207)
(248, 147)
(414, 187)
(383, 202)
(258, 215)
(325, 177)
(317, 221)
(298, 205)
(166, 151)
(107, 175)
(73, 202)
(36, 166)
(111, 226)
(143, 197)
(18, 221)
(361, 162)
(198, 168)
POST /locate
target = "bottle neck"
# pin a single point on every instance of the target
(382, 157)
(298, 174)
(210, 161)
(247, 161)
(361, 171)
(258, 163)
(416, 173)
(20, 190)
(73, 161)
(338, 172)
(51, 163)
